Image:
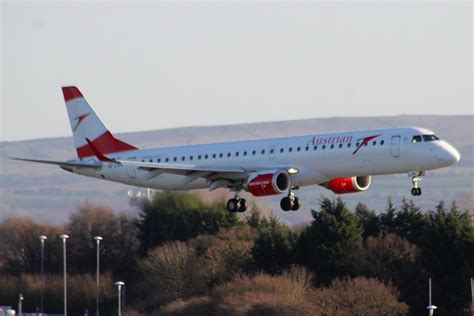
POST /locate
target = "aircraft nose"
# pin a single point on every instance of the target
(449, 154)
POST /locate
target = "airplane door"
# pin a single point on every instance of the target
(395, 146)
(271, 153)
(132, 173)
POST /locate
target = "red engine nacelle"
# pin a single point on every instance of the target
(268, 183)
(348, 185)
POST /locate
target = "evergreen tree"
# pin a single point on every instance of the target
(330, 246)
(448, 256)
(273, 246)
(387, 219)
(180, 216)
(368, 219)
(410, 223)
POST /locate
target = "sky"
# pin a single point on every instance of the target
(147, 65)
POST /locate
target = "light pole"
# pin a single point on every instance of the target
(119, 285)
(42, 239)
(97, 239)
(20, 301)
(64, 237)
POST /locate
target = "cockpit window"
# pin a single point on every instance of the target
(416, 139)
(430, 138)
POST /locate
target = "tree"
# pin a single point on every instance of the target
(273, 247)
(409, 222)
(392, 259)
(329, 246)
(180, 216)
(120, 243)
(448, 256)
(359, 296)
(227, 253)
(387, 219)
(368, 219)
(20, 246)
(172, 271)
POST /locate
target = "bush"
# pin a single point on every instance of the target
(180, 216)
(286, 294)
(170, 272)
(359, 296)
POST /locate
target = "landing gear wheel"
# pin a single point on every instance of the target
(415, 179)
(233, 205)
(296, 204)
(286, 204)
(243, 206)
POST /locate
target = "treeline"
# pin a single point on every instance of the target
(183, 256)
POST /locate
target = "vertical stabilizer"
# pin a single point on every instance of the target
(87, 125)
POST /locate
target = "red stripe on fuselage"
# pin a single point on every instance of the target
(106, 144)
(71, 93)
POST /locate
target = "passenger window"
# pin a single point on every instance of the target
(182, 158)
(221, 155)
(298, 149)
(174, 159)
(290, 149)
(253, 152)
(237, 154)
(382, 142)
(263, 151)
(416, 139)
(167, 159)
(374, 143)
(272, 151)
(206, 156)
(348, 145)
(340, 145)
(324, 147)
(357, 144)
(213, 156)
(281, 150)
(332, 146)
(191, 158)
(307, 148)
(245, 153)
(199, 157)
(315, 148)
(159, 160)
(228, 154)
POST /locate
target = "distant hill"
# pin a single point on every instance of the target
(50, 194)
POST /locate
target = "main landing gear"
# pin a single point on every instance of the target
(415, 179)
(237, 205)
(290, 202)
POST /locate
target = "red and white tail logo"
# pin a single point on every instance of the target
(86, 125)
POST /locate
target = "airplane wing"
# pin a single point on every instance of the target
(216, 176)
(65, 164)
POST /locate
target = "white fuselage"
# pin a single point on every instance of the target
(317, 158)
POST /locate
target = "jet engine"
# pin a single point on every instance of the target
(268, 183)
(348, 185)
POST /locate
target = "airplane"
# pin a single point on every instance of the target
(342, 162)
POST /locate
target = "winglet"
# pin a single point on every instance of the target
(97, 153)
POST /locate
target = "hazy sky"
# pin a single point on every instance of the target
(153, 65)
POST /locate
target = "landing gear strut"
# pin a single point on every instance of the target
(291, 202)
(237, 204)
(415, 179)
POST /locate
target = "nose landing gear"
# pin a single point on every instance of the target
(415, 179)
(291, 202)
(237, 204)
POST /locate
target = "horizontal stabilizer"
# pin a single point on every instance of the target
(62, 163)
